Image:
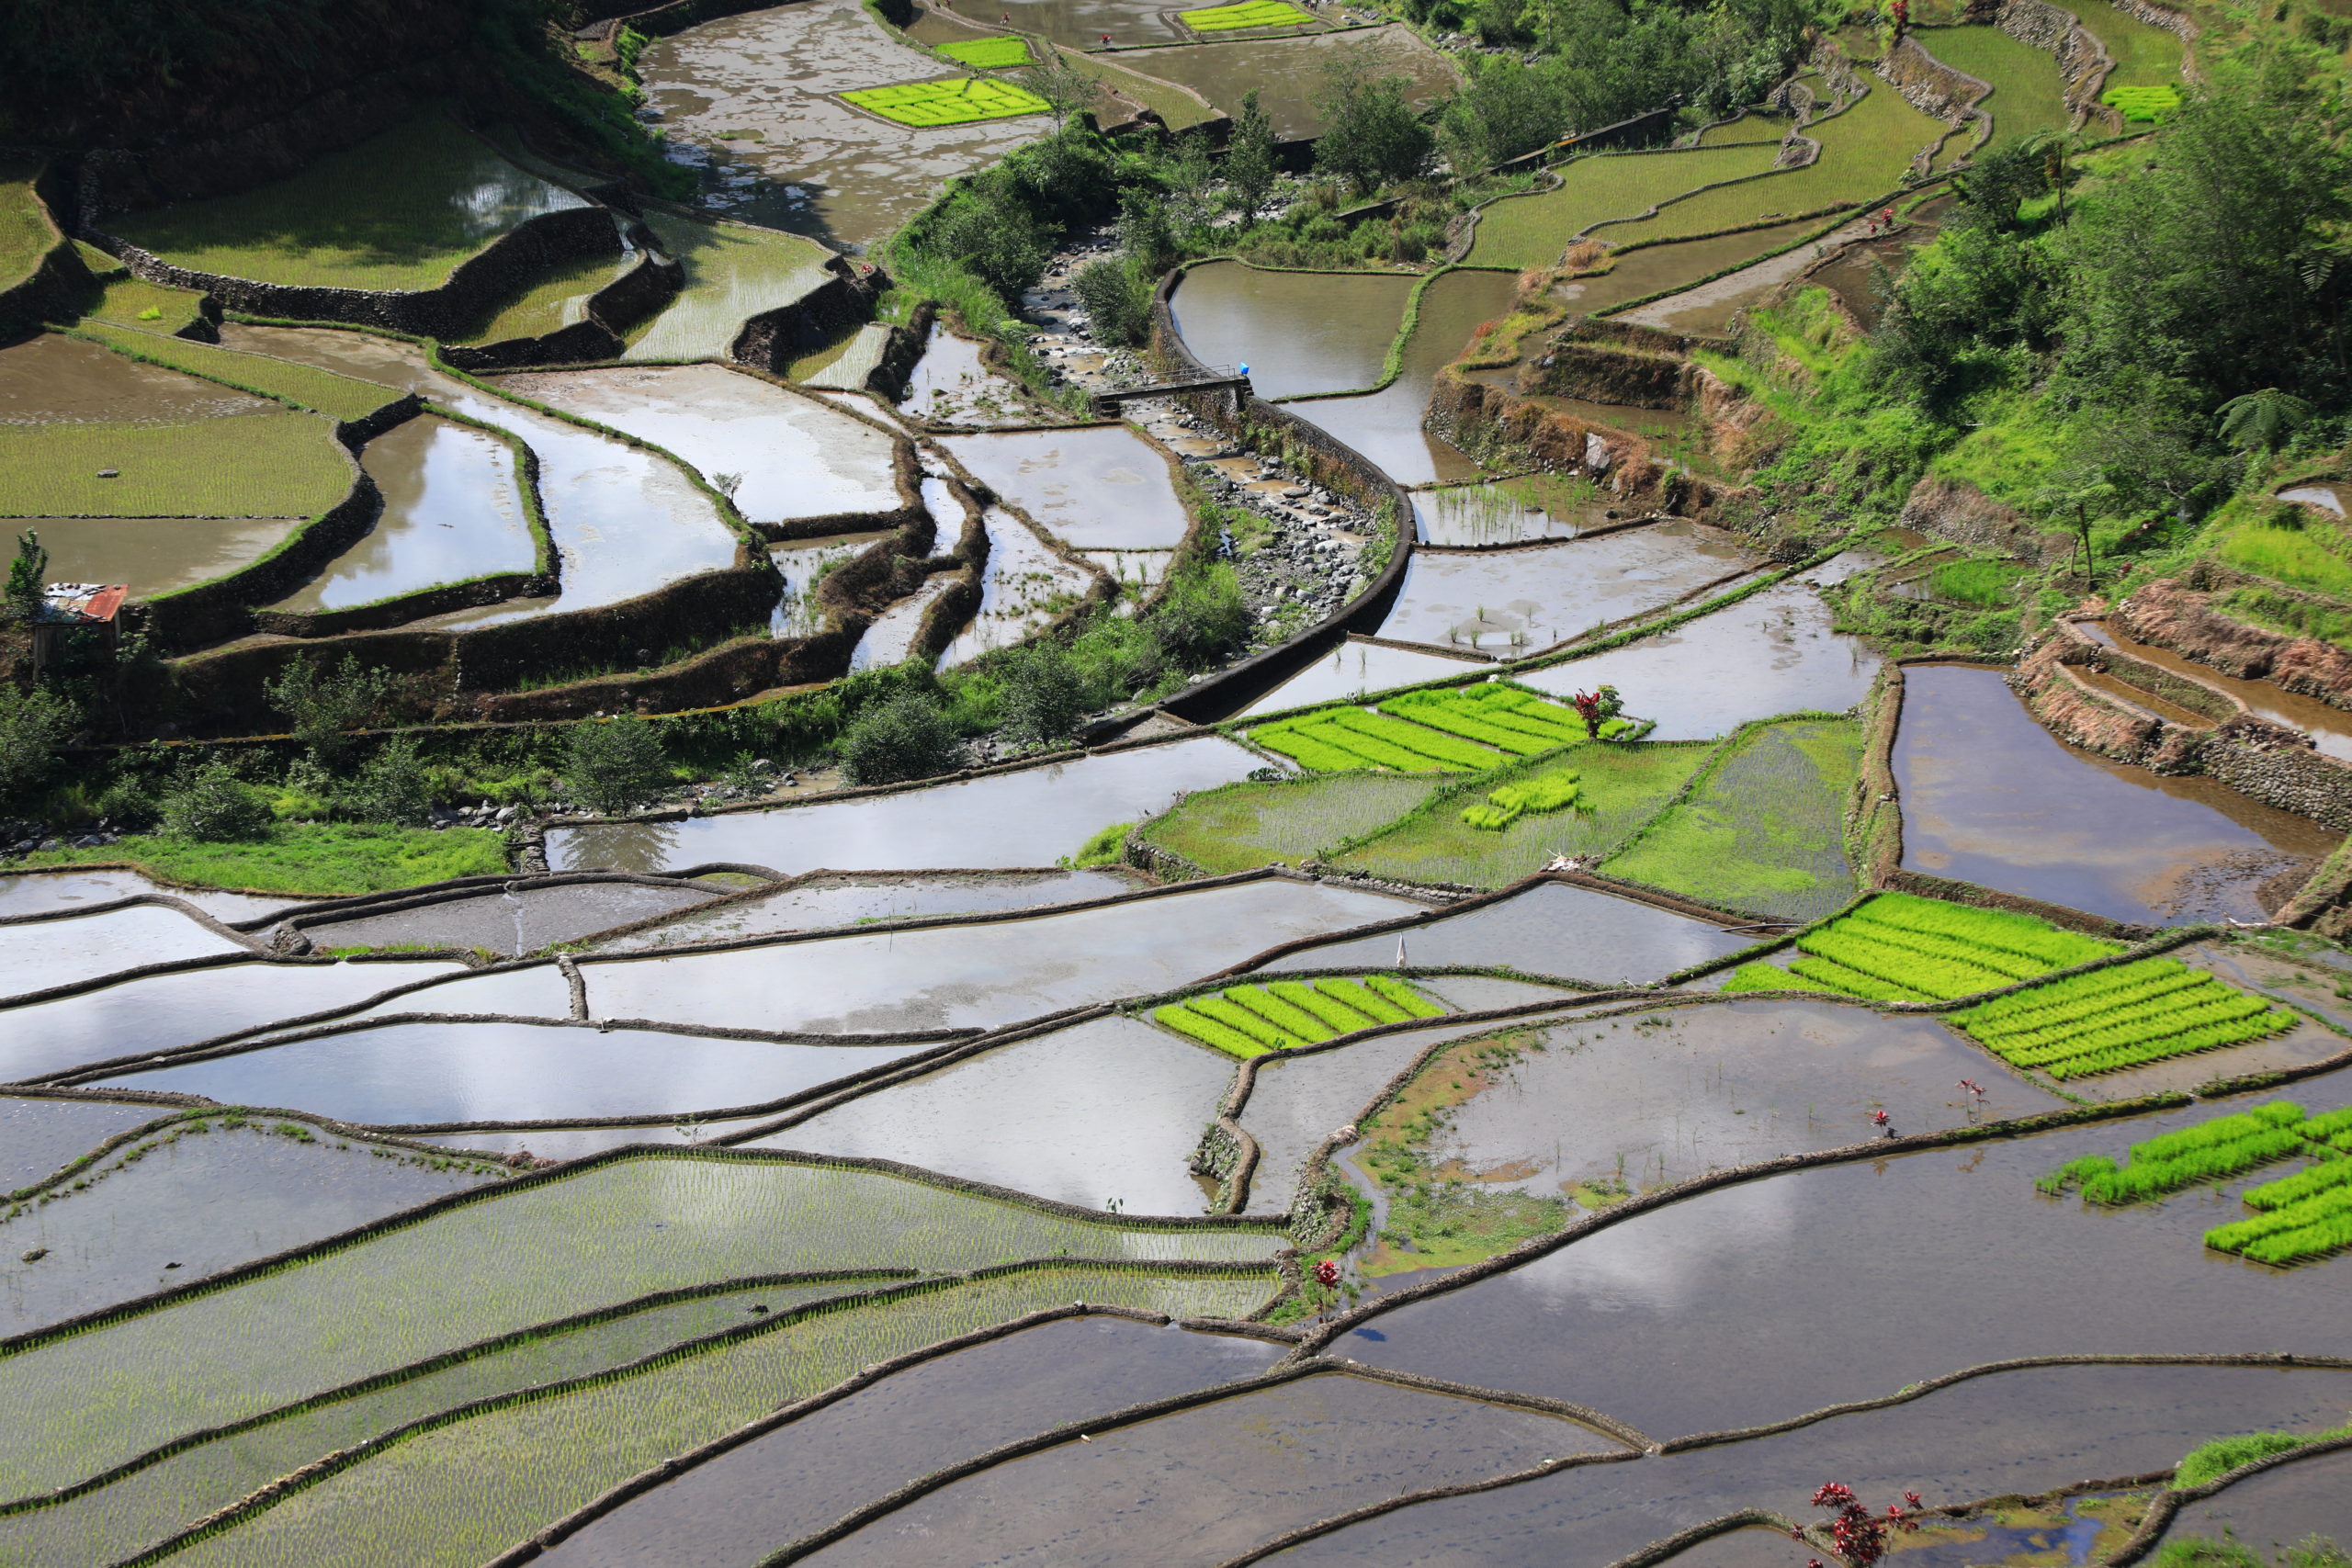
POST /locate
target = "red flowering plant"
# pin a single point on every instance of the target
(1857, 1535)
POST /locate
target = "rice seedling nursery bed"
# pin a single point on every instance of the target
(988, 54)
(2299, 1218)
(959, 100)
(1249, 1020)
(1899, 947)
(1247, 13)
(2121, 1017)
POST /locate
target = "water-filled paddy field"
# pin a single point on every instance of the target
(1180, 1134)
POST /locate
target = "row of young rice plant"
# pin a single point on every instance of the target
(1510, 718)
(501, 1264)
(2202, 1152)
(1900, 947)
(455, 1494)
(1339, 740)
(1251, 1020)
(1553, 791)
(2121, 1017)
(2305, 1217)
(158, 1500)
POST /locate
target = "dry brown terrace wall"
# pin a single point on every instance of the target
(2174, 614)
(1613, 362)
(474, 289)
(1958, 511)
(1491, 422)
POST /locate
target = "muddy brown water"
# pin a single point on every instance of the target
(625, 521)
(1353, 668)
(2329, 727)
(1990, 797)
(1771, 653)
(420, 1073)
(1099, 487)
(452, 512)
(1661, 1097)
(800, 159)
(2278, 1508)
(792, 455)
(1517, 602)
(2008, 1432)
(849, 900)
(980, 976)
(39, 1137)
(1031, 818)
(510, 923)
(204, 1202)
(1298, 332)
(154, 555)
(1288, 72)
(732, 1510)
(1385, 427)
(1551, 928)
(1101, 1114)
(55, 379)
(164, 1012)
(1719, 1310)
(1233, 1474)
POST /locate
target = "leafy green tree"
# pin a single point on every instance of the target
(2256, 421)
(1044, 693)
(392, 786)
(323, 706)
(1251, 167)
(213, 805)
(995, 239)
(33, 725)
(613, 764)
(1997, 184)
(27, 574)
(1506, 108)
(903, 736)
(1371, 135)
(1118, 299)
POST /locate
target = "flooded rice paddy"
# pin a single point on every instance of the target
(1288, 72)
(1025, 587)
(2277, 1509)
(1517, 602)
(34, 959)
(1354, 668)
(1474, 516)
(978, 976)
(733, 273)
(1099, 487)
(1991, 796)
(817, 903)
(453, 512)
(2329, 727)
(39, 1137)
(1297, 332)
(427, 1074)
(1029, 818)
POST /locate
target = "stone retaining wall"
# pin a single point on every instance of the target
(1490, 421)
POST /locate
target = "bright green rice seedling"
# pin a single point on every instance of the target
(1503, 716)
(2121, 1017)
(988, 54)
(2075, 1172)
(958, 100)
(2289, 1191)
(2207, 1151)
(2334, 1128)
(2144, 105)
(2315, 1227)
(1250, 14)
(1759, 975)
(1250, 1021)
(1339, 740)
(2208, 1461)
(1415, 739)
(1899, 947)
(1545, 792)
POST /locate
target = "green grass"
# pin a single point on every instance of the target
(1764, 831)
(1256, 1019)
(398, 211)
(1179, 109)
(1900, 947)
(273, 464)
(464, 1491)
(2145, 105)
(304, 385)
(2120, 1017)
(26, 232)
(1619, 787)
(2209, 1461)
(1238, 827)
(150, 307)
(502, 1264)
(2028, 94)
(988, 54)
(327, 858)
(1531, 230)
(1988, 585)
(560, 299)
(2305, 555)
(959, 100)
(2143, 55)
(1864, 153)
(1247, 13)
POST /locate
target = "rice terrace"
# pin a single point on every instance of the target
(942, 784)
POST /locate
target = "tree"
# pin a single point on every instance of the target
(1249, 161)
(902, 737)
(33, 725)
(1371, 135)
(391, 786)
(323, 706)
(1506, 108)
(1859, 1536)
(213, 805)
(2256, 421)
(27, 574)
(1117, 301)
(613, 764)
(1066, 89)
(1044, 693)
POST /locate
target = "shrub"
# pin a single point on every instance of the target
(1202, 616)
(33, 725)
(903, 736)
(213, 806)
(613, 764)
(1041, 695)
(391, 787)
(322, 705)
(1118, 299)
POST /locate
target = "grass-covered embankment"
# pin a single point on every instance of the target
(321, 860)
